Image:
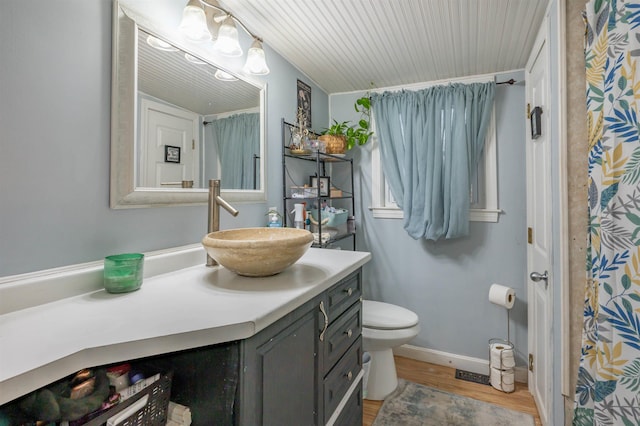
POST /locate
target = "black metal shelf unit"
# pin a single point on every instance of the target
(319, 164)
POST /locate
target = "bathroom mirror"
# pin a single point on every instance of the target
(175, 125)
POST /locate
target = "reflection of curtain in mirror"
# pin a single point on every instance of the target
(238, 138)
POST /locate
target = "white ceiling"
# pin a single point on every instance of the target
(347, 45)
(171, 77)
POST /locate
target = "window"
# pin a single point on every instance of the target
(484, 191)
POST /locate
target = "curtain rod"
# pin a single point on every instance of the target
(509, 82)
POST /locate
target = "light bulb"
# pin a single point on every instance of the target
(194, 22)
(224, 76)
(227, 43)
(160, 44)
(256, 63)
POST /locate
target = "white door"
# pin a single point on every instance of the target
(539, 224)
(169, 146)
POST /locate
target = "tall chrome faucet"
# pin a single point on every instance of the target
(215, 201)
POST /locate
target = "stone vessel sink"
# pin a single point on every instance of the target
(257, 252)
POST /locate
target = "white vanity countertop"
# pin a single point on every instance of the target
(187, 308)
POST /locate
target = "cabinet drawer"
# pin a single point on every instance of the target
(342, 333)
(337, 382)
(352, 412)
(343, 295)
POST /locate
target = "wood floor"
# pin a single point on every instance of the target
(443, 378)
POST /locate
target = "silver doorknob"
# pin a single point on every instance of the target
(537, 276)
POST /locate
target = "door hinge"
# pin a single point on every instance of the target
(530, 235)
(528, 111)
(193, 144)
(531, 362)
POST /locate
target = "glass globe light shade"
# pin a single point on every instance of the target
(256, 63)
(227, 42)
(194, 22)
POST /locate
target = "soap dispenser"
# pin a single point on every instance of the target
(274, 219)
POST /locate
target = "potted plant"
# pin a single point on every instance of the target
(343, 136)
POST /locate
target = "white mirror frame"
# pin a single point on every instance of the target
(124, 193)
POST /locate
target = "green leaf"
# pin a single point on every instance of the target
(628, 422)
(626, 282)
(608, 289)
(604, 389)
(635, 297)
(597, 5)
(596, 90)
(622, 83)
(624, 104)
(635, 219)
(583, 417)
(364, 124)
(365, 102)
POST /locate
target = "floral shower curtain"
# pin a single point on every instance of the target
(608, 390)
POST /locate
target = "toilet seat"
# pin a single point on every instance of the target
(385, 316)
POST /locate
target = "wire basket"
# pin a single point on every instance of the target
(148, 407)
(502, 365)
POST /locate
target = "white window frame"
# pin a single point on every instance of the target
(384, 207)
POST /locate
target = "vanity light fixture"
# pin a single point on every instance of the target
(194, 60)
(195, 22)
(256, 63)
(227, 42)
(160, 44)
(224, 76)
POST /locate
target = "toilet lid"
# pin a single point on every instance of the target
(386, 316)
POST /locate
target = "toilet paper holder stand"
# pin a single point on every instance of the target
(506, 345)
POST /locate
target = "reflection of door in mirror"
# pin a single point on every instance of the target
(163, 126)
(183, 82)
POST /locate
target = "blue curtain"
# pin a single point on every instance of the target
(238, 138)
(430, 142)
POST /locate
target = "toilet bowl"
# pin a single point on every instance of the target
(385, 326)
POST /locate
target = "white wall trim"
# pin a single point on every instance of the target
(461, 362)
(563, 190)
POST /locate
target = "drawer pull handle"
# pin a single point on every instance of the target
(349, 333)
(326, 321)
(349, 291)
(349, 376)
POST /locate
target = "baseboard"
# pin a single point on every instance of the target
(461, 362)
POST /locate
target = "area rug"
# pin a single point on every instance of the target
(412, 404)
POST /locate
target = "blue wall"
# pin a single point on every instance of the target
(55, 92)
(447, 282)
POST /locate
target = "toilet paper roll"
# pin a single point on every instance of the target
(503, 380)
(502, 356)
(502, 296)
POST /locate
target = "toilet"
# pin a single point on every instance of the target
(385, 326)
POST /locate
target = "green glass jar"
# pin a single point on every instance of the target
(123, 272)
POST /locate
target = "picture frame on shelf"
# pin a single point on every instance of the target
(321, 182)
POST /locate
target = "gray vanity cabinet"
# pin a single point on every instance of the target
(299, 369)
(279, 372)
